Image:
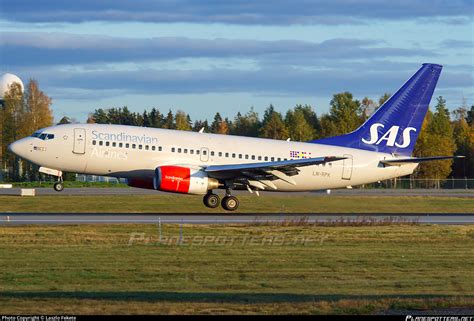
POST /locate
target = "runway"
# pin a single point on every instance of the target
(11, 219)
(97, 191)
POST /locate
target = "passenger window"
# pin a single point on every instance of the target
(172, 149)
(139, 146)
(197, 152)
(259, 157)
(179, 150)
(107, 143)
(246, 156)
(185, 151)
(233, 155)
(153, 147)
(159, 148)
(120, 145)
(220, 154)
(204, 152)
(240, 156)
(114, 144)
(273, 159)
(191, 151)
(147, 147)
(127, 145)
(226, 154)
(253, 157)
(93, 142)
(101, 143)
(134, 146)
(279, 159)
(266, 158)
(212, 153)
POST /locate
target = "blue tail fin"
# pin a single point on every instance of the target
(395, 126)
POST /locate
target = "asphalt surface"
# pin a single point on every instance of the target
(91, 191)
(7, 219)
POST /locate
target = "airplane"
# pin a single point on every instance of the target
(199, 163)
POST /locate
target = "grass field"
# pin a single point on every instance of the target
(235, 269)
(248, 204)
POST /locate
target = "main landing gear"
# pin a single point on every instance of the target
(229, 202)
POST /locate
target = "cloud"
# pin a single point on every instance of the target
(41, 48)
(263, 12)
(460, 44)
(274, 81)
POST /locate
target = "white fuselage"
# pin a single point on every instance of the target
(135, 152)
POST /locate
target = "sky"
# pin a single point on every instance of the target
(226, 56)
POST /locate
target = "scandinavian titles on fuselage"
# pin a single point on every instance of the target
(124, 137)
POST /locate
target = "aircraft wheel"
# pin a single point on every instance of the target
(58, 187)
(230, 203)
(211, 200)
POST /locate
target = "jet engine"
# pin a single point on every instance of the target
(185, 180)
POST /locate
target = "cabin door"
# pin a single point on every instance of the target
(79, 141)
(347, 167)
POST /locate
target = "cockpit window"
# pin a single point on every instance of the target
(43, 136)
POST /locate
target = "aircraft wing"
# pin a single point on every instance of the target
(260, 175)
(401, 161)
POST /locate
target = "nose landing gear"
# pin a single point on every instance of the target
(59, 186)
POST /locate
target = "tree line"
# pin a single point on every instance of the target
(443, 132)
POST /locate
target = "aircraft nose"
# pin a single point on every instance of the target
(18, 148)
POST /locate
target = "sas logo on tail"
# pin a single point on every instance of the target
(390, 136)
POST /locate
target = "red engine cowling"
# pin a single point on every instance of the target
(185, 180)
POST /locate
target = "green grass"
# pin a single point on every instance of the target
(265, 269)
(249, 204)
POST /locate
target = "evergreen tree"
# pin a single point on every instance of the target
(384, 98)
(169, 121)
(246, 125)
(273, 125)
(298, 127)
(65, 120)
(155, 118)
(216, 124)
(199, 124)
(311, 118)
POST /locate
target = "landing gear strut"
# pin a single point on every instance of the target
(211, 200)
(229, 202)
(58, 186)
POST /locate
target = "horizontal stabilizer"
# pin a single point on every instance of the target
(402, 161)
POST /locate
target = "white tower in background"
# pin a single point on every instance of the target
(6, 81)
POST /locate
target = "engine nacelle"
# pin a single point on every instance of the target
(185, 180)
